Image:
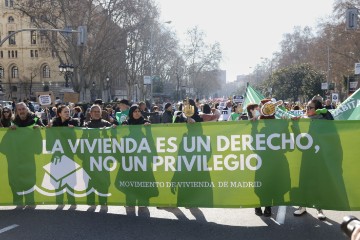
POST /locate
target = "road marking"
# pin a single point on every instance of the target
(5, 229)
(280, 217)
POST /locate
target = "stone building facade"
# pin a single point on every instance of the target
(27, 64)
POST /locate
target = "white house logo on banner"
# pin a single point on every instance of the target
(64, 175)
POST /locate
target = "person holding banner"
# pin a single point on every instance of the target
(136, 117)
(25, 118)
(274, 174)
(95, 119)
(6, 117)
(137, 196)
(63, 118)
(21, 160)
(313, 179)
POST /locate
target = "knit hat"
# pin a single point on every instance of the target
(98, 102)
(124, 101)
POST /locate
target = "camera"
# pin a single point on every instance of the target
(349, 224)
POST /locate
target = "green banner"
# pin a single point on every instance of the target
(215, 164)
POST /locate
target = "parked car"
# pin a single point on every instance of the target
(6, 104)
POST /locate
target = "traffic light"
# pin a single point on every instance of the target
(82, 35)
(351, 18)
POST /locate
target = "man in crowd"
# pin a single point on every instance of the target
(96, 120)
(25, 118)
(123, 114)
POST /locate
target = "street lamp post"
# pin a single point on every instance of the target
(108, 87)
(67, 70)
(92, 92)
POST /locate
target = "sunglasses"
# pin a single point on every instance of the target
(309, 107)
(5, 111)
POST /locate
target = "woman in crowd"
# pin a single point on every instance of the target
(135, 117)
(6, 117)
(63, 118)
(236, 113)
(79, 115)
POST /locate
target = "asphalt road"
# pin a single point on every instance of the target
(80, 223)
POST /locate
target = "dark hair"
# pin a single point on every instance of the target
(206, 108)
(7, 109)
(78, 109)
(317, 104)
(234, 108)
(59, 109)
(296, 107)
(98, 102)
(251, 106)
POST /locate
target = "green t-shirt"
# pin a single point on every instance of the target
(122, 116)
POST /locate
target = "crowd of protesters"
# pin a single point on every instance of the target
(116, 113)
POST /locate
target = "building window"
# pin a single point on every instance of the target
(11, 19)
(36, 53)
(1, 54)
(12, 38)
(9, 3)
(1, 72)
(46, 72)
(43, 37)
(33, 37)
(14, 72)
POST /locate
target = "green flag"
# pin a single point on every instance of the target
(349, 109)
(253, 96)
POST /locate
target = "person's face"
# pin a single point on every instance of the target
(95, 113)
(122, 106)
(65, 113)
(327, 102)
(6, 113)
(22, 111)
(142, 107)
(137, 114)
(169, 108)
(310, 109)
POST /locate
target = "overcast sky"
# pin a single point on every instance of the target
(247, 30)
